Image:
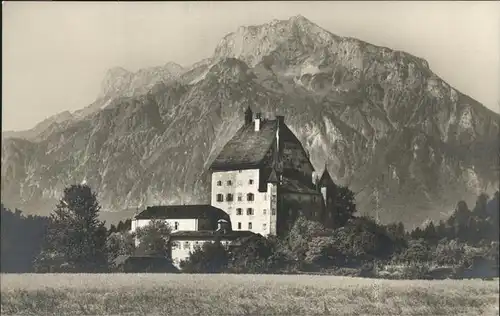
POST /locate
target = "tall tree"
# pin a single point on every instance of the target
(344, 206)
(75, 234)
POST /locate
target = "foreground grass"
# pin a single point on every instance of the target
(165, 294)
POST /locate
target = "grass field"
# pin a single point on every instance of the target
(183, 294)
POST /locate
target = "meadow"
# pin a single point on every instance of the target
(224, 294)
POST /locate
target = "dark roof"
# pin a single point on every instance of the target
(273, 178)
(210, 234)
(296, 186)
(247, 148)
(182, 212)
(326, 179)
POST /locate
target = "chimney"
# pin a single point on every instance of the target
(248, 116)
(257, 121)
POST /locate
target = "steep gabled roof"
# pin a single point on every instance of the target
(326, 179)
(248, 148)
(182, 212)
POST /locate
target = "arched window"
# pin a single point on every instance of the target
(220, 197)
(250, 197)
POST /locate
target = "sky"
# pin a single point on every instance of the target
(55, 54)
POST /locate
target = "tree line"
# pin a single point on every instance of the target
(73, 239)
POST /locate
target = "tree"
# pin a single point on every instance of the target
(119, 243)
(301, 233)
(21, 240)
(257, 254)
(480, 209)
(430, 234)
(154, 238)
(417, 251)
(75, 233)
(209, 258)
(323, 252)
(343, 207)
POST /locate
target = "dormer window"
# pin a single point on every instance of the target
(220, 198)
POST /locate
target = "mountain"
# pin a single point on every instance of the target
(406, 142)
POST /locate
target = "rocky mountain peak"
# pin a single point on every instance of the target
(398, 135)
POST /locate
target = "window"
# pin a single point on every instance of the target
(219, 183)
(186, 245)
(239, 211)
(250, 197)
(239, 225)
(264, 211)
(249, 211)
(229, 197)
(239, 171)
(176, 225)
(240, 197)
(273, 211)
(229, 182)
(265, 196)
(250, 181)
(249, 225)
(220, 197)
(314, 199)
(175, 245)
(264, 227)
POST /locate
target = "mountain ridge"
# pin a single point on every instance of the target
(387, 126)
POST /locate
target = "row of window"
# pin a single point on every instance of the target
(230, 197)
(250, 211)
(264, 226)
(230, 182)
(188, 245)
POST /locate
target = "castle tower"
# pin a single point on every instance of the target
(327, 187)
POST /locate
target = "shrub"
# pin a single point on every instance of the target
(209, 258)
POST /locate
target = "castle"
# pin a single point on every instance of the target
(262, 180)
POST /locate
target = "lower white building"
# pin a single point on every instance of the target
(183, 243)
(181, 217)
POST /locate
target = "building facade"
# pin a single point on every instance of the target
(263, 178)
